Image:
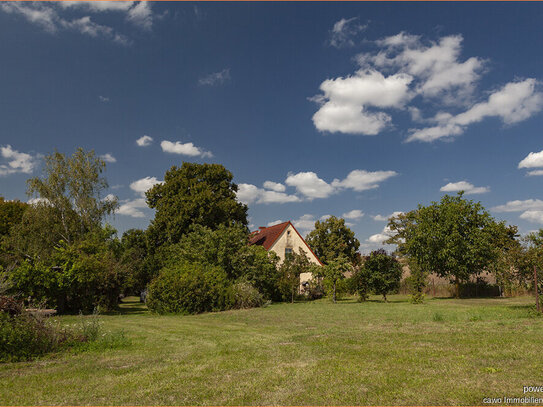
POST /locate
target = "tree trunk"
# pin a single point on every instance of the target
(385, 297)
(457, 287)
(334, 291)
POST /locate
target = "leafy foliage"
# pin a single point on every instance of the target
(290, 270)
(453, 238)
(193, 194)
(190, 288)
(335, 271)
(385, 272)
(331, 239)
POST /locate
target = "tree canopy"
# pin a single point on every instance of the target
(193, 194)
(452, 238)
(331, 239)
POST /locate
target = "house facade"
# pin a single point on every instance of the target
(284, 239)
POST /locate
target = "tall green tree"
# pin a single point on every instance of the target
(331, 239)
(335, 271)
(11, 213)
(385, 272)
(69, 202)
(453, 238)
(193, 194)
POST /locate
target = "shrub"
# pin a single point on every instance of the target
(25, 336)
(247, 296)
(190, 288)
(313, 289)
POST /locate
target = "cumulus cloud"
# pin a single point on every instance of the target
(108, 158)
(216, 78)
(406, 70)
(380, 238)
(103, 99)
(184, 149)
(534, 172)
(354, 214)
(304, 224)
(464, 186)
(16, 162)
(533, 216)
(132, 208)
(309, 185)
(274, 186)
(361, 180)
(344, 31)
(347, 103)
(144, 141)
(144, 184)
(514, 102)
(532, 160)
(519, 206)
(51, 17)
(382, 218)
(275, 222)
(248, 193)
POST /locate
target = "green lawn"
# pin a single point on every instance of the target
(444, 352)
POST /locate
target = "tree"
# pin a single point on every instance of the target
(134, 256)
(290, 270)
(72, 187)
(453, 238)
(360, 281)
(11, 213)
(334, 271)
(331, 239)
(385, 272)
(193, 194)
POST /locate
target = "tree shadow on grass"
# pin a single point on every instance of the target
(132, 306)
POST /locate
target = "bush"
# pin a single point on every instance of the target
(190, 288)
(313, 289)
(247, 296)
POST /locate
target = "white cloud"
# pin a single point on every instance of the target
(343, 32)
(532, 160)
(144, 141)
(103, 99)
(184, 149)
(534, 172)
(361, 180)
(274, 186)
(519, 206)
(380, 238)
(354, 214)
(132, 208)
(514, 102)
(108, 158)
(275, 222)
(324, 217)
(144, 184)
(141, 15)
(35, 13)
(216, 78)
(382, 218)
(51, 18)
(309, 185)
(435, 65)
(533, 216)
(16, 162)
(304, 224)
(346, 102)
(464, 186)
(248, 193)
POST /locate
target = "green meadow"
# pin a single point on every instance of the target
(443, 352)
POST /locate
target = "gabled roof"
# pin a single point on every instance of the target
(266, 237)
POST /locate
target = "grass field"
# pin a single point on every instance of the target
(444, 352)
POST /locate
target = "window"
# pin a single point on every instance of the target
(288, 252)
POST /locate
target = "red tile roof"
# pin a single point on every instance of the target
(267, 236)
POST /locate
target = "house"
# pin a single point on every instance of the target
(284, 239)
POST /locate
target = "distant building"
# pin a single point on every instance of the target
(284, 239)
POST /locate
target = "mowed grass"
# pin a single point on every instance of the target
(444, 352)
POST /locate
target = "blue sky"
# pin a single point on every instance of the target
(348, 109)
